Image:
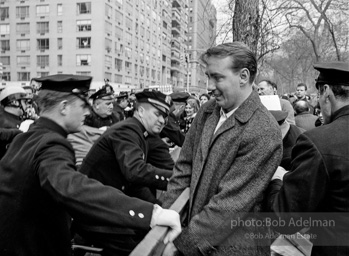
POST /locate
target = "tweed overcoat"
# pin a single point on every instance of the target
(227, 173)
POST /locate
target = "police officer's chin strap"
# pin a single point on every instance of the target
(17, 104)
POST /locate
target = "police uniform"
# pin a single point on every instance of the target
(40, 187)
(119, 159)
(94, 120)
(117, 110)
(318, 182)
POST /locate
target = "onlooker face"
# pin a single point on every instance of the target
(300, 92)
(123, 103)
(76, 111)
(203, 99)
(103, 108)
(265, 89)
(224, 83)
(152, 118)
(189, 110)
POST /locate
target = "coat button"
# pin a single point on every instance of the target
(141, 215)
(157, 177)
(132, 213)
(167, 179)
(123, 188)
(162, 178)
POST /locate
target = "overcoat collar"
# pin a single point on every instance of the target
(340, 112)
(51, 125)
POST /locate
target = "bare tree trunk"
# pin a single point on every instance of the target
(246, 23)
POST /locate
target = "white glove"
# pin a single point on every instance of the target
(170, 218)
(25, 125)
(103, 128)
(279, 174)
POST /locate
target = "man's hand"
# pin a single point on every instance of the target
(279, 174)
(170, 250)
(170, 218)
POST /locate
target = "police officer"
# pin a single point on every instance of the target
(318, 182)
(119, 159)
(101, 114)
(40, 185)
(119, 106)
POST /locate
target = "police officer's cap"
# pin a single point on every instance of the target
(122, 94)
(156, 98)
(179, 96)
(105, 93)
(332, 73)
(75, 84)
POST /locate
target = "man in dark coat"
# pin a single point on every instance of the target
(40, 185)
(119, 159)
(318, 182)
(304, 119)
(119, 106)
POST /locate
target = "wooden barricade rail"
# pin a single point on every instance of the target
(152, 244)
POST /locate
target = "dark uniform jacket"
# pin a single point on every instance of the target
(119, 159)
(119, 112)
(319, 182)
(287, 144)
(8, 120)
(40, 186)
(96, 121)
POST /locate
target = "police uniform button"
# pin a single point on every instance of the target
(123, 188)
(132, 213)
(157, 177)
(167, 179)
(141, 215)
(162, 177)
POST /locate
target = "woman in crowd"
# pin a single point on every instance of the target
(191, 108)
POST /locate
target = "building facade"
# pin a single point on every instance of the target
(201, 36)
(130, 43)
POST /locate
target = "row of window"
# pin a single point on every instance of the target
(24, 28)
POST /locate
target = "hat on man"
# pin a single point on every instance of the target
(103, 94)
(332, 73)
(122, 94)
(75, 84)
(156, 98)
(180, 96)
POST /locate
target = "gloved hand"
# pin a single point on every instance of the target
(279, 174)
(25, 125)
(170, 218)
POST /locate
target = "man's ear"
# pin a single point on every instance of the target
(63, 107)
(244, 76)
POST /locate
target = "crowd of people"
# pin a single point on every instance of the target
(98, 168)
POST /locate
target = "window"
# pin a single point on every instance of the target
(22, 28)
(83, 42)
(43, 44)
(4, 14)
(6, 76)
(5, 60)
(128, 52)
(5, 45)
(22, 12)
(118, 33)
(59, 9)
(108, 44)
(23, 60)
(42, 10)
(23, 76)
(118, 64)
(59, 26)
(119, 48)
(42, 27)
(108, 11)
(118, 17)
(128, 38)
(108, 28)
(59, 60)
(59, 43)
(108, 61)
(141, 70)
(83, 60)
(83, 8)
(42, 61)
(23, 45)
(128, 66)
(107, 76)
(128, 80)
(4, 29)
(136, 69)
(42, 74)
(83, 73)
(118, 79)
(83, 25)
(128, 23)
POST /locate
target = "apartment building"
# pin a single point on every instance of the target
(118, 40)
(201, 36)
